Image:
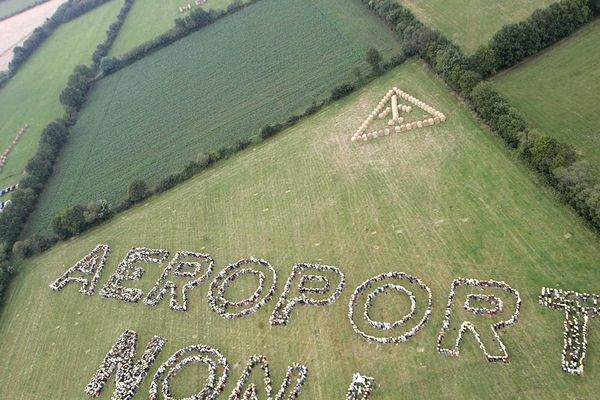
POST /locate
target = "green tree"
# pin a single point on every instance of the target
(22, 248)
(97, 210)
(374, 59)
(138, 191)
(69, 222)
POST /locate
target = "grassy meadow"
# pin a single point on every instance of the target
(209, 89)
(558, 91)
(438, 202)
(31, 96)
(8, 7)
(471, 23)
(150, 18)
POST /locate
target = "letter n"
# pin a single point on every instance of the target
(121, 360)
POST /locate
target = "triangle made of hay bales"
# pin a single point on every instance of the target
(390, 107)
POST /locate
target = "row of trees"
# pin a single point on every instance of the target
(515, 42)
(196, 19)
(68, 11)
(40, 167)
(557, 162)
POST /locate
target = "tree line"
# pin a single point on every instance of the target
(193, 21)
(555, 161)
(515, 42)
(68, 11)
(40, 167)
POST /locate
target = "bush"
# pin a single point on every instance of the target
(138, 191)
(269, 130)
(203, 159)
(168, 182)
(312, 109)
(374, 59)
(22, 249)
(108, 65)
(214, 155)
(545, 153)
(97, 210)
(69, 222)
(341, 91)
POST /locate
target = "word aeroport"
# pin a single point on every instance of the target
(472, 304)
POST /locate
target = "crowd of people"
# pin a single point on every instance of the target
(3, 204)
(381, 112)
(368, 285)
(495, 302)
(4, 191)
(466, 325)
(386, 326)
(251, 391)
(578, 308)
(11, 146)
(241, 392)
(200, 270)
(190, 355)
(360, 388)
(128, 376)
(9, 189)
(315, 284)
(91, 265)
(218, 287)
(302, 373)
(127, 271)
(308, 284)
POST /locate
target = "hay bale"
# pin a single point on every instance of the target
(413, 125)
(431, 121)
(443, 118)
(398, 128)
(436, 120)
(391, 122)
(395, 107)
(419, 124)
(386, 132)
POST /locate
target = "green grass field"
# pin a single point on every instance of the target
(31, 97)
(471, 23)
(558, 91)
(208, 90)
(150, 18)
(439, 202)
(8, 7)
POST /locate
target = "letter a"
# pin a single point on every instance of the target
(90, 266)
